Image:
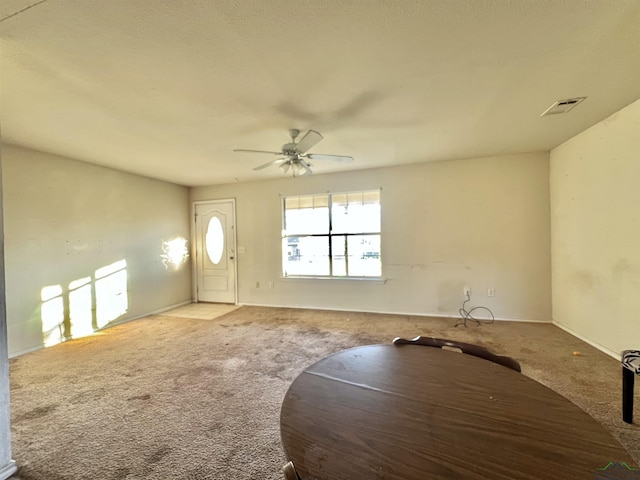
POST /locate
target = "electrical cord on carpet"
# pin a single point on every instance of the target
(466, 315)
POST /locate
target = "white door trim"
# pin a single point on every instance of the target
(194, 263)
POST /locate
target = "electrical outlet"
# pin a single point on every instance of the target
(467, 291)
(491, 292)
(270, 284)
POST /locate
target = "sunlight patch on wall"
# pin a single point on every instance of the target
(71, 313)
(111, 292)
(80, 311)
(174, 252)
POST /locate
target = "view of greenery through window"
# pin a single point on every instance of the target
(332, 235)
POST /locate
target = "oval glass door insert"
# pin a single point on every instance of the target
(215, 240)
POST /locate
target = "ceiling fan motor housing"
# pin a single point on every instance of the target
(289, 149)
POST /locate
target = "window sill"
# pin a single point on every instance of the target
(380, 280)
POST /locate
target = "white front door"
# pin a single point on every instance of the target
(215, 251)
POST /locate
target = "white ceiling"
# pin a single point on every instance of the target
(168, 88)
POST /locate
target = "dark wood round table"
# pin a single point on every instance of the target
(411, 412)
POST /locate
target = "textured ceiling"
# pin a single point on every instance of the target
(168, 88)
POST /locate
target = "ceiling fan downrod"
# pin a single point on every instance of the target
(293, 133)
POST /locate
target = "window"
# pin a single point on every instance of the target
(332, 235)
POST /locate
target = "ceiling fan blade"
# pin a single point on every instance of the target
(242, 150)
(338, 158)
(307, 170)
(277, 161)
(309, 140)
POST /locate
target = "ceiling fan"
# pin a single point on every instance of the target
(294, 154)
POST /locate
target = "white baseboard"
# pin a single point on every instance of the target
(24, 351)
(8, 470)
(415, 314)
(154, 312)
(603, 349)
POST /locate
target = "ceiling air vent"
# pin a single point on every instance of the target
(562, 106)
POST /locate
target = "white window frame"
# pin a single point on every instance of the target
(330, 235)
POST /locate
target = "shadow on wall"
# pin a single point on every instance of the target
(84, 305)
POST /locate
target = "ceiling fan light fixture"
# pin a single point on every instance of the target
(298, 169)
(285, 167)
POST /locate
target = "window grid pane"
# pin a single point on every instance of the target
(355, 218)
(364, 255)
(306, 256)
(307, 221)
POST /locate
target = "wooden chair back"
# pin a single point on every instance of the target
(468, 348)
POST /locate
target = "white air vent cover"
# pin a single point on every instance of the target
(562, 106)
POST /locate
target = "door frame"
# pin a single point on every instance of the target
(194, 246)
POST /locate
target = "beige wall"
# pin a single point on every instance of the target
(480, 222)
(65, 219)
(595, 220)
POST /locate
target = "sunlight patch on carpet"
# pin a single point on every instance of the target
(201, 311)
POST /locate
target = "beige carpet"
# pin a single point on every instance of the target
(173, 397)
